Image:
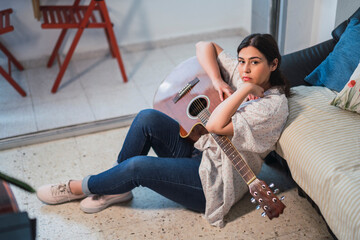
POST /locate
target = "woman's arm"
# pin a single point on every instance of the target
(220, 119)
(206, 53)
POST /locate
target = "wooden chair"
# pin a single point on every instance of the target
(6, 27)
(79, 17)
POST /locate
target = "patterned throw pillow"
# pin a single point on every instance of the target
(349, 97)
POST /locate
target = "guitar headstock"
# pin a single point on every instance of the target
(266, 198)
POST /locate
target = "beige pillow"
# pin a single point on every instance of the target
(349, 97)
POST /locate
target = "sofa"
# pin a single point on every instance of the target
(320, 144)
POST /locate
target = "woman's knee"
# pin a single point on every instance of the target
(138, 165)
(147, 115)
(152, 119)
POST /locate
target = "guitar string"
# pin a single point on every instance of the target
(199, 107)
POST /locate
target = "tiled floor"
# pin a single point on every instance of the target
(93, 90)
(148, 215)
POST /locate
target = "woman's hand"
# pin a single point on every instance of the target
(207, 53)
(255, 91)
(223, 89)
(251, 97)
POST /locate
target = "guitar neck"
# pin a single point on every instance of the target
(231, 152)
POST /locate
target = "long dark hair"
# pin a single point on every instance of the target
(267, 45)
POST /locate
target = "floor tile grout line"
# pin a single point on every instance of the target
(32, 100)
(169, 56)
(86, 95)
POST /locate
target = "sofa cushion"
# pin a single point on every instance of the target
(297, 65)
(335, 70)
(349, 97)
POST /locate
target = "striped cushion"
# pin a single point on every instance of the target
(321, 144)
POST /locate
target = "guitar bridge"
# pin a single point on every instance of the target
(185, 90)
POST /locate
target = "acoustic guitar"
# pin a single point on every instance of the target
(188, 96)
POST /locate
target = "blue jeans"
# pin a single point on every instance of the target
(174, 173)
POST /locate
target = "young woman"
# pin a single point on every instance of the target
(199, 177)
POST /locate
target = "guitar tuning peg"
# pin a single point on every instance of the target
(258, 207)
(272, 185)
(276, 191)
(263, 214)
(252, 200)
(282, 198)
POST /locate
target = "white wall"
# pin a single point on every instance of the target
(309, 22)
(135, 21)
(345, 8)
(324, 17)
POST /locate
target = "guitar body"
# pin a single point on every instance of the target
(190, 126)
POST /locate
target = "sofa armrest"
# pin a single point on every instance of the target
(297, 65)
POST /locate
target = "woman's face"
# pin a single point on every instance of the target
(254, 67)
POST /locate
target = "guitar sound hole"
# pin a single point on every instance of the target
(197, 106)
